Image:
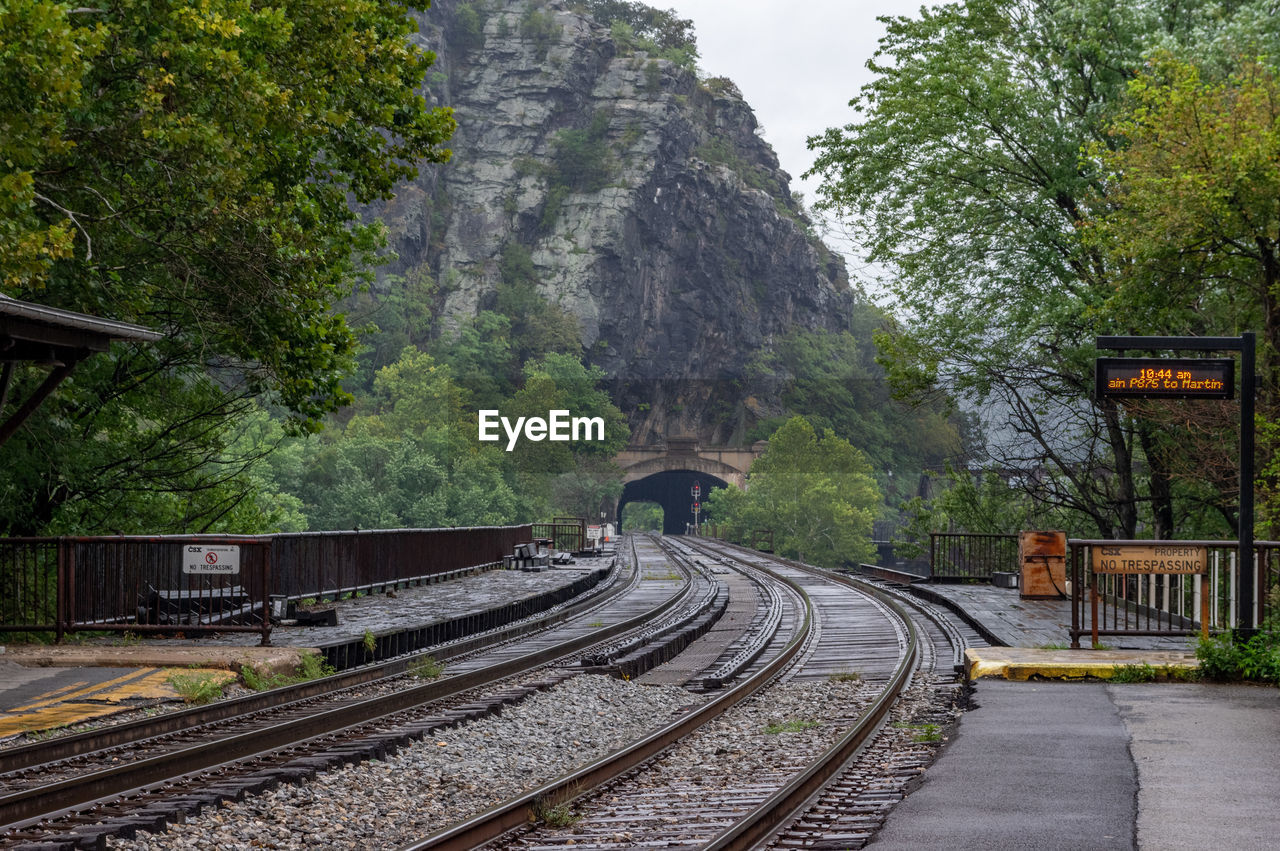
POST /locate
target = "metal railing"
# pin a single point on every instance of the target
(1164, 604)
(568, 535)
(146, 584)
(954, 555)
(28, 583)
(330, 564)
(142, 584)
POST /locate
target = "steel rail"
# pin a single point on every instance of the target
(132, 732)
(31, 804)
(782, 806)
(492, 823)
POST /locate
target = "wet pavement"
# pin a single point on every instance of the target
(48, 686)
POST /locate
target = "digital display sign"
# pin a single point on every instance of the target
(1169, 378)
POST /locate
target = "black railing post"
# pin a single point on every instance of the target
(266, 592)
(1244, 558)
(1076, 596)
(62, 607)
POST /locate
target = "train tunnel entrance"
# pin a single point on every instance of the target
(672, 489)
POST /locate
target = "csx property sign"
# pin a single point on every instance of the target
(217, 560)
(1150, 558)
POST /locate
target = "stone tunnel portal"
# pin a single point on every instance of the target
(672, 490)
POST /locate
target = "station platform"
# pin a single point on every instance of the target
(1057, 752)
(43, 687)
(1031, 638)
(1089, 765)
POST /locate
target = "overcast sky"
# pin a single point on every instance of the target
(798, 64)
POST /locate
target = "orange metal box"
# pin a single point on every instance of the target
(1043, 559)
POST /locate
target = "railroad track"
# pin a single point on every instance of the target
(63, 791)
(850, 647)
(14, 759)
(784, 628)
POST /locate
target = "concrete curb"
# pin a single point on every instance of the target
(1023, 663)
(276, 660)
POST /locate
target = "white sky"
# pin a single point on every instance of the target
(798, 64)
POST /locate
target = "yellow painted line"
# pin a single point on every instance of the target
(82, 692)
(54, 716)
(150, 684)
(52, 696)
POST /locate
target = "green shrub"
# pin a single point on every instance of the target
(1257, 659)
(540, 28)
(923, 732)
(311, 667)
(426, 668)
(794, 725)
(197, 687)
(1139, 673)
(554, 815)
(470, 23)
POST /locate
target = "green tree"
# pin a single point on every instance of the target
(592, 486)
(1194, 231)
(832, 380)
(642, 517)
(1193, 200)
(412, 457)
(480, 358)
(814, 491)
(537, 326)
(964, 180)
(43, 61)
(414, 395)
(561, 382)
(984, 504)
(200, 158)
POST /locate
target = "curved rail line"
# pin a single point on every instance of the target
(519, 811)
(762, 820)
(787, 802)
(118, 735)
(53, 800)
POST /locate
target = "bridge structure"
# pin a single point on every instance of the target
(665, 473)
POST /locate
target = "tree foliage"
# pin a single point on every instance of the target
(636, 26)
(1193, 214)
(1192, 227)
(642, 517)
(984, 504)
(188, 167)
(832, 380)
(815, 491)
(410, 457)
(964, 178)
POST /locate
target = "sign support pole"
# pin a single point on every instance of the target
(1245, 559)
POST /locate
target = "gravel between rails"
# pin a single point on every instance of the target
(440, 780)
(789, 724)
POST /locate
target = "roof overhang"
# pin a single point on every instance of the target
(33, 332)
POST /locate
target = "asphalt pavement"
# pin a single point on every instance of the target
(1053, 765)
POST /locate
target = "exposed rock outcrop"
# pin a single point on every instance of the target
(650, 207)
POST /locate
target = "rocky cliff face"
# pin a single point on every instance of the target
(650, 207)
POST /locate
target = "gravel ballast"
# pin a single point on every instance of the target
(444, 778)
